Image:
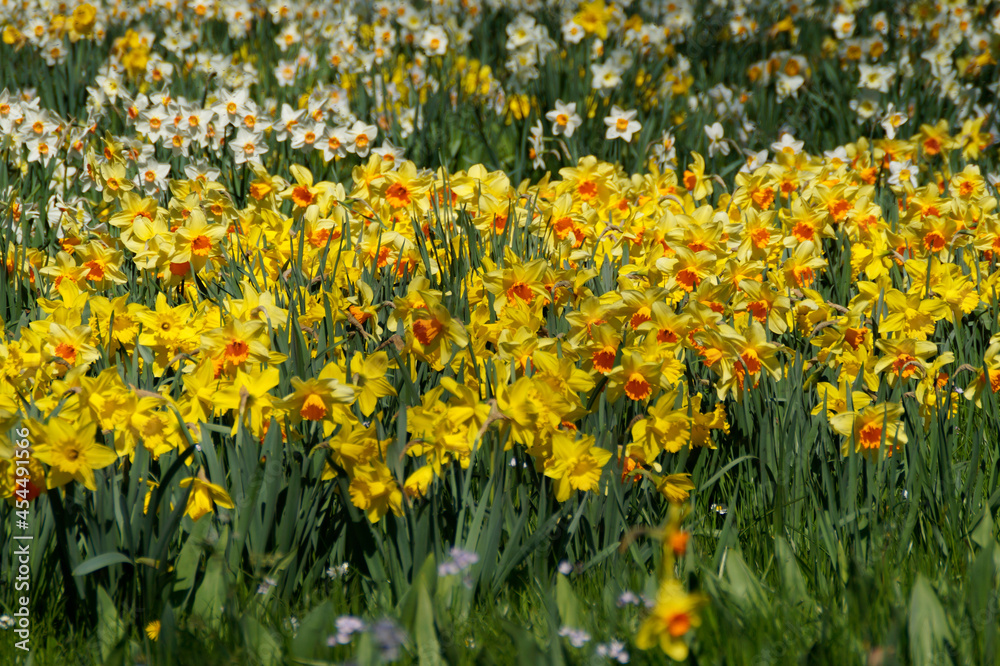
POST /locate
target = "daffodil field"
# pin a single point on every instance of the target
(499, 332)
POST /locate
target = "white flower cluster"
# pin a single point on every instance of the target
(528, 44)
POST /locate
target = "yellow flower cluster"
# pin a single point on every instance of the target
(625, 288)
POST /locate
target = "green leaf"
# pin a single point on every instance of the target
(261, 642)
(312, 631)
(980, 597)
(567, 603)
(744, 586)
(428, 648)
(416, 612)
(211, 594)
(983, 534)
(166, 644)
(793, 583)
(527, 647)
(110, 629)
(928, 626)
(99, 562)
(186, 568)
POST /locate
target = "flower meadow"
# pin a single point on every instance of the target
(481, 331)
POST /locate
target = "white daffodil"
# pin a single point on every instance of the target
(247, 146)
(786, 143)
(716, 139)
(621, 124)
(564, 119)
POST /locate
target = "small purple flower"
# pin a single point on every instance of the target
(349, 624)
(577, 637)
(464, 558)
(266, 585)
(388, 637)
(628, 598)
(615, 651)
(459, 561)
